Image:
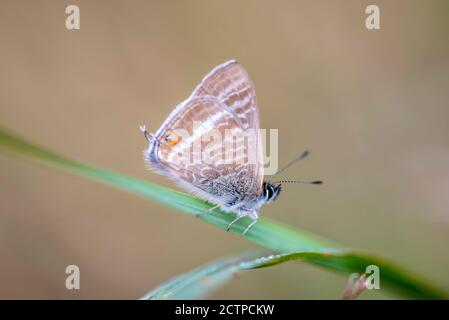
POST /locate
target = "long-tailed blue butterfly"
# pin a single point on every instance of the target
(224, 101)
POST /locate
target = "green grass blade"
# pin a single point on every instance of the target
(203, 280)
(200, 282)
(270, 234)
(392, 276)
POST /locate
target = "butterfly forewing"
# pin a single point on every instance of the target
(231, 85)
(186, 147)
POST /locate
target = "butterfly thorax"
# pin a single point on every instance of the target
(268, 194)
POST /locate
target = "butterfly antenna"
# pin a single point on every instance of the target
(147, 135)
(299, 181)
(292, 162)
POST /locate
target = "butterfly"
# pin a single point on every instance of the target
(223, 102)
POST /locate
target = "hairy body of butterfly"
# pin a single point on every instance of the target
(224, 100)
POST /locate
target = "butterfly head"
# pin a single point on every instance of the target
(270, 191)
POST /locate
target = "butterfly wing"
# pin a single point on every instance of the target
(231, 85)
(223, 103)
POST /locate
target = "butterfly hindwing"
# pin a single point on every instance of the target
(223, 103)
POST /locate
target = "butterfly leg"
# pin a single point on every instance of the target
(253, 215)
(249, 226)
(233, 221)
(234, 208)
(206, 212)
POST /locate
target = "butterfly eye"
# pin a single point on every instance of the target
(172, 139)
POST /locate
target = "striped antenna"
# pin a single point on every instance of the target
(292, 162)
(299, 181)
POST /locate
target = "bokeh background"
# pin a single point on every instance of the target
(372, 106)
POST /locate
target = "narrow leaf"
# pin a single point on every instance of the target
(200, 282)
(270, 234)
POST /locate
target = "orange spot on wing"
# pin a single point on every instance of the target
(172, 139)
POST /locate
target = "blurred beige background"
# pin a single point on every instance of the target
(372, 106)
